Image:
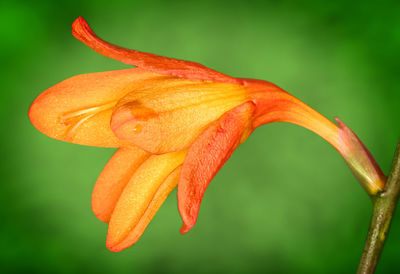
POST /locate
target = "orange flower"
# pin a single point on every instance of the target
(174, 123)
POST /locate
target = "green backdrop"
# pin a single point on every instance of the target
(284, 203)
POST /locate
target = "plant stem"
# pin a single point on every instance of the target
(384, 206)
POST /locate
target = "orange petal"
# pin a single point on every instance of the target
(161, 195)
(139, 193)
(113, 179)
(206, 157)
(276, 105)
(168, 116)
(273, 104)
(78, 110)
(147, 61)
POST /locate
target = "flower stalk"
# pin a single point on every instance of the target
(385, 203)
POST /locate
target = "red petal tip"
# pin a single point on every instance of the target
(147, 61)
(185, 228)
(80, 28)
(115, 250)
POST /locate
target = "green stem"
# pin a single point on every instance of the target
(384, 206)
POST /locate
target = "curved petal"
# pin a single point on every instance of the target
(113, 179)
(138, 194)
(276, 105)
(78, 110)
(159, 197)
(273, 104)
(205, 158)
(170, 115)
(147, 61)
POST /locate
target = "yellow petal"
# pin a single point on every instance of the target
(139, 193)
(113, 179)
(161, 195)
(78, 110)
(169, 115)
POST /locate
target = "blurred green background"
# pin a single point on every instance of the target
(284, 203)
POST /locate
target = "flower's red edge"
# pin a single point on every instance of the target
(148, 61)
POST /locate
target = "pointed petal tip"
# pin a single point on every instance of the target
(185, 228)
(147, 61)
(79, 26)
(206, 156)
(78, 21)
(114, 250)
(115, 247)
(82, 31)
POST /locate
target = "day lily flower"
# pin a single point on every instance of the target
(175, 123)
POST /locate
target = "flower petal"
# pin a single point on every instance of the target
(78, 110)
(273, 104)
(206, 157)
(147, 61)
(139, 193)
(276, 105)
(159, 197)
(170, 115)
(113, 179)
